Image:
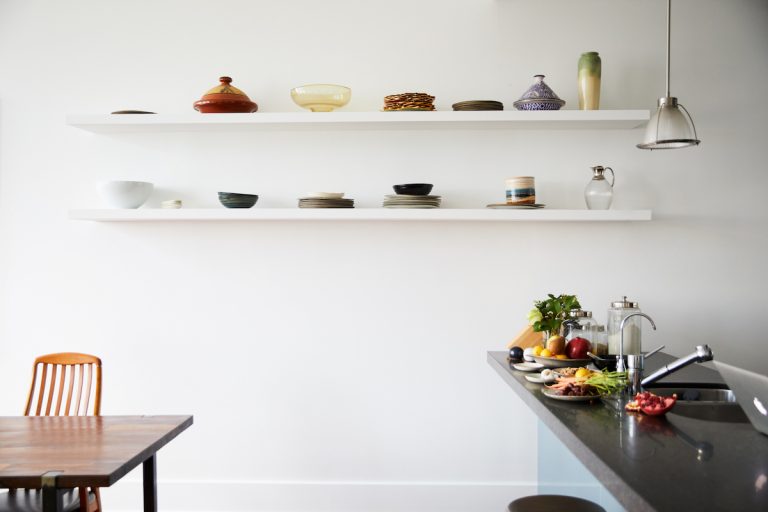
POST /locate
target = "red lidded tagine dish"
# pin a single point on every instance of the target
(225, 99)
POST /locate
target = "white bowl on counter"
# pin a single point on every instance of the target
(125, 194)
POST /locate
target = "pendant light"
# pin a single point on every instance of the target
(671, 127)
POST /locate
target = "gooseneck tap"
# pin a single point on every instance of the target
(703, 353)
(620, 367)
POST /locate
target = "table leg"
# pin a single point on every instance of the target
(150, 484)
(53, 501)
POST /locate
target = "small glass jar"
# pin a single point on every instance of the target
(599, 340)
(577, 319)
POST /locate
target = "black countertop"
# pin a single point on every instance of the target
(674, 462)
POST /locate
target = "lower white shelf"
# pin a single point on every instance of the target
(359, 214)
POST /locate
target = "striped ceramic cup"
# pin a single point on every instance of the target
(521, 190)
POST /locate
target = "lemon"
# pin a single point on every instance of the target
(545, 353)
(561, 356)
(582, 374)
(537, 350)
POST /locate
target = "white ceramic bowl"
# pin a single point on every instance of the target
(125, 194)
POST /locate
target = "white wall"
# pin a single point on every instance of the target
(342, 366)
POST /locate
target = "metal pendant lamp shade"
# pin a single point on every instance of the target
(671, 126)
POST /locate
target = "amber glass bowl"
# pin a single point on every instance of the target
(321, 97)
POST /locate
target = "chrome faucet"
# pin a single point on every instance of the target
(620, 367)
(703, 353)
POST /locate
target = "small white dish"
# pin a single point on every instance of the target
(171, 204)
(528, 367)
(504, 206)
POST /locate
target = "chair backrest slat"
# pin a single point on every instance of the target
(67, 366)
(97, 393)
(79, 389)
(54, 368)
(89, 369)
(42, 389)
(71, 388)
(61, 389)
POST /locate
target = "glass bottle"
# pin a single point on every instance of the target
(599, 192)
(590, 69)
(632, 331)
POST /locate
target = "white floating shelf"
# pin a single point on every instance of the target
(360, 214)
(505, 119)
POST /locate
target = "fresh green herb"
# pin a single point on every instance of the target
(607, 383)
(548, 314)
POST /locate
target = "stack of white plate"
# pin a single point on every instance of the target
(406, 201)
(326, 200)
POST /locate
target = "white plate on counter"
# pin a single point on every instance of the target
(568, 398)
(537, 379)
(528, 367)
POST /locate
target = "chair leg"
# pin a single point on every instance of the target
(82, 493)
(87, 505)
(97, 493)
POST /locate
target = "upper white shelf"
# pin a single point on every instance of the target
(359, 214)
(506, 119)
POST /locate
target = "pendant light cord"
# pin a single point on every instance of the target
(669, 30)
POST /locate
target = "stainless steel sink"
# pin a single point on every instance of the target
(695, 394)
(709, 402)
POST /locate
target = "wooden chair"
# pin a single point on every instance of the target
(70, 367)
(78, 376)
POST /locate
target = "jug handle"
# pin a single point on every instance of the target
(613, 176)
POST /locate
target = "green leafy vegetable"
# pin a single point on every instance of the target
(607, 383)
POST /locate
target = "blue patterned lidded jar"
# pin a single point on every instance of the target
(539, 96)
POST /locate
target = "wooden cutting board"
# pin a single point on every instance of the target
(527, 338)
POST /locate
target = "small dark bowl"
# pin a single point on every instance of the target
(413, 189)
(608, 362)
(235, 200)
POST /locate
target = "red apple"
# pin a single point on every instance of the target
(577, 348)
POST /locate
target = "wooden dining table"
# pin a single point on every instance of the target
(58, 453)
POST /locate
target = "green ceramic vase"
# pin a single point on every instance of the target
(589, 81)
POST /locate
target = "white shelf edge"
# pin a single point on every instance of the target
(359, 214)
(560, 119)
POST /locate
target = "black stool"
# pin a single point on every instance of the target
(553, 503)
